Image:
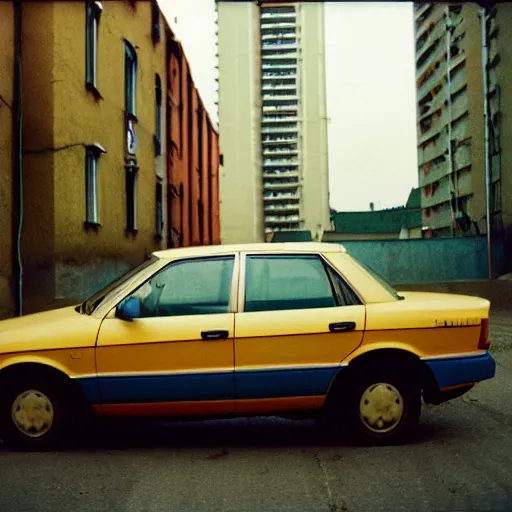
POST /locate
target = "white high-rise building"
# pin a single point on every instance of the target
(272, 119)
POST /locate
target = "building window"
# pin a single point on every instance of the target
(155, 21)
(130, 80)
(93, 14)
(159, 209)
(92, 156)
(158, 115)
(131, 197)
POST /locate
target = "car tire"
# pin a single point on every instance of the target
(378, 405)
(32, 413)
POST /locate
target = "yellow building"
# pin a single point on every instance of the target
(6, 163)
(94, 161)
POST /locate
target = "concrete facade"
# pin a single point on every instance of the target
(6, 157)
(450, 113)
(272, 119)
(96, 199)
(499, 81)
(241, 179)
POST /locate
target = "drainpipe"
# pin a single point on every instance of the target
(17, 160)
(453, 174)
(485, 62)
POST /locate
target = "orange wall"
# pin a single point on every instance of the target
(193, 160)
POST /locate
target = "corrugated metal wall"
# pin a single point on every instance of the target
(193, 160)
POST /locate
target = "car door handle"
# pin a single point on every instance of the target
(214, 335)
(342, 326)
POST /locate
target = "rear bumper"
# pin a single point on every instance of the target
(456, 375)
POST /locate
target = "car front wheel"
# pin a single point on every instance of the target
(31, 414)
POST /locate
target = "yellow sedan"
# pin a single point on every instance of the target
(262, 329)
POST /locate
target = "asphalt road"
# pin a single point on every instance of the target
(460, 459)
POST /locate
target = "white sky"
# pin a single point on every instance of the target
(370, 93)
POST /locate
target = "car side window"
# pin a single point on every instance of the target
(189, 287)
(284, 282)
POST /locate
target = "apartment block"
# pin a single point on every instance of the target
(450, 118)
(464, 70)
(498, 107)
(272, 119)
(97, 186)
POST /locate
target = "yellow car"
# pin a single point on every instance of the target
(262, 329)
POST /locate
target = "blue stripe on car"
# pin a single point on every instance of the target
(249, 384)
(462, 370)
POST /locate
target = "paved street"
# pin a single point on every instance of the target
(460, 459)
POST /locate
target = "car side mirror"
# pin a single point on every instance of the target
(129, 309)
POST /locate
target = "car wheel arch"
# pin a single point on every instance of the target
(390, 356)
(19, 369)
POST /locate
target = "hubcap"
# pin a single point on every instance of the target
(32, 413)
(381, 407)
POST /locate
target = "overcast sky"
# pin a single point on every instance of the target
(370, 93)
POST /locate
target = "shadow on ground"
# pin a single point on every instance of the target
(122, 434)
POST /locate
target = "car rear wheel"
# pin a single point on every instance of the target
(32, 414)
(378, 406)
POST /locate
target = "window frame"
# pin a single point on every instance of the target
(155, 22)
(92, 158)
(93, 12)
(328, 268)
(159, 209)
(158, 115)
(131, 179)
(130, 80)
(233, 293)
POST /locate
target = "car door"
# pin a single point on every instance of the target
(176, 358)
(297, 321)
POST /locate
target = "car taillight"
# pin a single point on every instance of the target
(483, 342)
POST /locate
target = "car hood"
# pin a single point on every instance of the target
(55, 329)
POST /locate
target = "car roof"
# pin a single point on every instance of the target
(212, 250)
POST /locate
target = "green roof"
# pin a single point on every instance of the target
(292, 236)
(414, 200)
(377, 222)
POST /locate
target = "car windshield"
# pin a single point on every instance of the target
(88, 306)
(380, 279)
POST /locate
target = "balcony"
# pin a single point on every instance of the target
(283, 162)
(436, 193)
(282, 219)
(280, 173)
(282, 24)
(279, 74)
(269, 45)
(277, 65)
(280, 196)
(270, 98)
(438, 76)
(279, 119)
(276, 108)
(281, 185)
(278, 129)
(280, 84)
(431, 173)
(284, 151)
(277, 13)
(437, 33)
(433, 151)
(285, 208)
(279, 140)
(278, 35)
